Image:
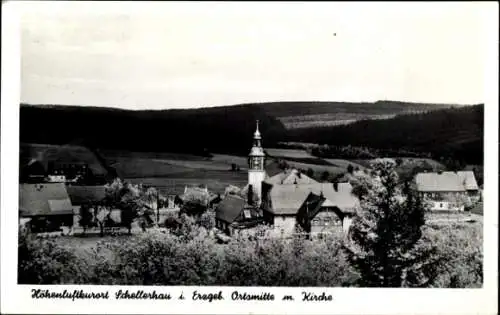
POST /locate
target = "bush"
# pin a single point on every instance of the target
(193, 257)
(43, 261)
(461, 250)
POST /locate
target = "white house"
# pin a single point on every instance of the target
(448, 190)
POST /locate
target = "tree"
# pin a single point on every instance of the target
(310, 172)
(325, 176)
(283, 165)
(350, 169)
(399, 161)
(86, 217)
(195, 203)
(126, 197)
(385, 237)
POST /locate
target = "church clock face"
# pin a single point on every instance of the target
(257, 164)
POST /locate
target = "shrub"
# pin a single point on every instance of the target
(193, 257)
(43, 261)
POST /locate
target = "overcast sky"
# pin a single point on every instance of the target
(175, 55)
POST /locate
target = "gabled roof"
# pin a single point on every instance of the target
(446, 181)
(44, 199)
(230, 208)
(83, 194)
(287, 199)
(196, 193)
(469, 180)
(311, 205)
(290, 177)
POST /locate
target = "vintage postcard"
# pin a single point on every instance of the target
(249, 158)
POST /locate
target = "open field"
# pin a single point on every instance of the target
(326, 120)
(288, 153)
(344, 163)
(318, 169)
(216, 181)
(171, 172)
(407, 162)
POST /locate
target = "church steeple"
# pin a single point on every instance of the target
(256, 136)
(256, 172)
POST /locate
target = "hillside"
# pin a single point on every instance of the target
(320, 114)
(452, 132)
(447, 133)
(217, 129)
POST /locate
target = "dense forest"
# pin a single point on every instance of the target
(455, 133)
(443, 133)
(197, 131)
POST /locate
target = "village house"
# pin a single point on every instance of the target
(92, 196)
(448, 190)
(234, 214)
(282, 204)
(32, 172)
(198, 194)
(276, 200)
(328, 212)
(46, 206)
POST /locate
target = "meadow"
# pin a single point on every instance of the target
(171, 172)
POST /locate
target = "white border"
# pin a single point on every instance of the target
(16, 298)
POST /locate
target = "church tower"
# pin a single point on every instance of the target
(256, 172)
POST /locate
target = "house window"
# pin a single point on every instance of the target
(326, 220)
(247, 214)
(440, 205)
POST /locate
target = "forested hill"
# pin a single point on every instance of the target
(219, 129)
(454, 132)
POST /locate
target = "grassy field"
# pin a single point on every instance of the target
(171, 172)
(216, 181)
(288, 153)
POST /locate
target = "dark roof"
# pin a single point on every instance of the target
(229, 208)
(33, 167)
(272, 168)
(44, 199)
(83, 194)
(311, 205)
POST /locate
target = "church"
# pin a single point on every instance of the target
(286, 200)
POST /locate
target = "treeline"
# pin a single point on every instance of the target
(451, 133)
(366, 109)
(195, 131)
(455, 133)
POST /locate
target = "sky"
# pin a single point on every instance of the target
(180, 55)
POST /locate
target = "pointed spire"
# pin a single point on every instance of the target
(256, 135)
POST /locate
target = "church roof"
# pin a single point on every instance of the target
(287, 199)
(290, 177)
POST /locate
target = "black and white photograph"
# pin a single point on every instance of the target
(280, 145)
